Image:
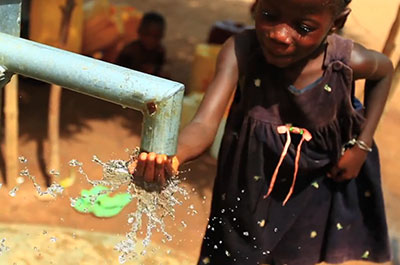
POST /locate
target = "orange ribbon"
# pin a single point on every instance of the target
(305, 135)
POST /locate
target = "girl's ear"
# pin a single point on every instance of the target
(340, 20)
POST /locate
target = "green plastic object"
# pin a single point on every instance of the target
(104, 205)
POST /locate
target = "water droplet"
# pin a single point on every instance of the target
(267, 252)
(246, 233)
(3, 247)
(227, 253)
(13, 192)
(73, 202)
(339, 226)
(20, 180)
(122, 259)
(276, 229)
(54, 172)
(22, 160)
(53, 239)
(24, 173)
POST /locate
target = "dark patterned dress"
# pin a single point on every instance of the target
(321, 220)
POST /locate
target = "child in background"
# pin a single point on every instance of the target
(298, 178)
(147, 53)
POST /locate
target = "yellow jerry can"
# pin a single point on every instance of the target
(45, 23)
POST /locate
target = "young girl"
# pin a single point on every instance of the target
(298, 178)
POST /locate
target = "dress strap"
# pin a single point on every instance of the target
(246, 44)
(338, 49)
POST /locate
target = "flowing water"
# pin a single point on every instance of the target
(153, 203)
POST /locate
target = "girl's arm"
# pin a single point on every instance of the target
(199, 134)
(377, 70)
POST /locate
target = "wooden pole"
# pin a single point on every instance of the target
(11, 131)
(390, 43)
(55, 92)
(53, 129)
(389, 47)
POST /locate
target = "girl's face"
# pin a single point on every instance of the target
(291, 30)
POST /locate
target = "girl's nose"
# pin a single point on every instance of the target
(281, 34)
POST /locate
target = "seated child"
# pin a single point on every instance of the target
(146, 54)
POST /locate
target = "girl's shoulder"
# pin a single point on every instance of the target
(369, 64)
(365, 63)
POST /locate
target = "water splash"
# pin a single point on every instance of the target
(54, 190)
(153, 202)
(3, 247)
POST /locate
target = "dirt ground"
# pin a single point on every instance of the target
(51, 232)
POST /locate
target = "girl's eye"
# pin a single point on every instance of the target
(304, 29)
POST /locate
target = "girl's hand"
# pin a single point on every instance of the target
(349, 164)
(153, 167)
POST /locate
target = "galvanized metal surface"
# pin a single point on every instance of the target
(10, 17)
(10, 23)
(159, 100)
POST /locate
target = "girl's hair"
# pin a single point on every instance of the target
(339, 5)
(346, 2)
